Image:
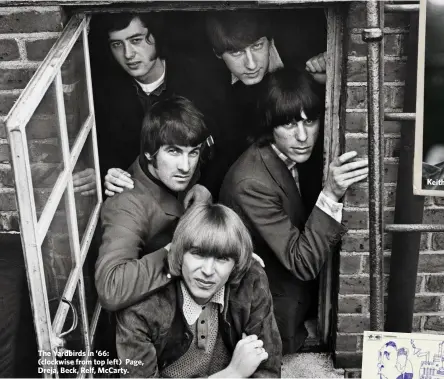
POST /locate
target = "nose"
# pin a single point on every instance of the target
(208, 266)
(184, 164)
(129, 51)
(250, 61)
(301, 132)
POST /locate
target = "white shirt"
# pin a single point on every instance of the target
(327, 205)
(150, 87)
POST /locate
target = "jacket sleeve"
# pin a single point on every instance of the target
(134, 345)
(123, 279)
(302, 252)
(263, 323)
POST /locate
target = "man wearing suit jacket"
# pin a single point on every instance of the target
(139, 222)
(264, 189)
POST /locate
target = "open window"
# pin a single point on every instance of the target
(58, 224)
(51, 130)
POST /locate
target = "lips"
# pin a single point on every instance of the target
(253, 74)
(133, 65)
(301, 150)
(205, 284)
(181, 178)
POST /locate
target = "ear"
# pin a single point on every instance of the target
(149, 157)
(217, 55)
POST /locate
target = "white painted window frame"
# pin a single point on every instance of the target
(33, 231)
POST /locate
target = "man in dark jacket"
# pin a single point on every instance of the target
(265, 189)
(215, 319)
(252, 44)
(138, 222)
(142, 71)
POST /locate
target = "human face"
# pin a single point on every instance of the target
(135, 53)
(175, 165)
(297, 139)
(204, 276)
(251, 63)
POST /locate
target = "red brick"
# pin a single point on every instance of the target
(354, 285)
(427, 303)
(356, 97)
(434, 323)
(438, 200)
(434, 283)
(393, 71)
(356, 122)
(7, 201)
(8, 50)
(433, 216)
(346, 342)
(355, 219)
(356, 196)
(395, 97)
(349, 304)
(5, 155)
(350, 264)
(6, 103)
(31, 21)
(431, 262)
(391, 148)
(353, 324)
(366, 264)
(437, 241)
(358, 242)
(393, 45)
(6, 177)
(38, 49)
(15, 78)
(9, 221)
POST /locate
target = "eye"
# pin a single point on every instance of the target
(136, 41)
(223, 259)
(308, 122)
(258, 45)
(173, 151)
(115, 45)
(237, 53)
(194, 153)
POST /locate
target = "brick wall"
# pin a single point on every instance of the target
(353, 298)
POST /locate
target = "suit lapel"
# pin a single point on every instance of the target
(283, 178)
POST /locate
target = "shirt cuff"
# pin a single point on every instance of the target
(329, 206)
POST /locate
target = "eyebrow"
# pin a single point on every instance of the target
(130, 37)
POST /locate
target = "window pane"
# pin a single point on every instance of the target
(44, 145)
(86, 191)
(75, 90)
(58, 257)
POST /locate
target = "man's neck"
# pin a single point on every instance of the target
(154, 74)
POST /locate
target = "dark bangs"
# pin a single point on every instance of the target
(285, 94)
(173, 121)
(235, 30)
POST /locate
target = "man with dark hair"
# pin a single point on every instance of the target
(196, 325)
(264, 187)
(142, 71)
(138, 222)
(251, 45)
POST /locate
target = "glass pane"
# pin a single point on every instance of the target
(75, 90)
(44, 145)
(58, 257)
(85, 186)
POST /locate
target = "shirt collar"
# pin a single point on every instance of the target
(274, 63)
(191, 310)
(155, 88)
(288, 162)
